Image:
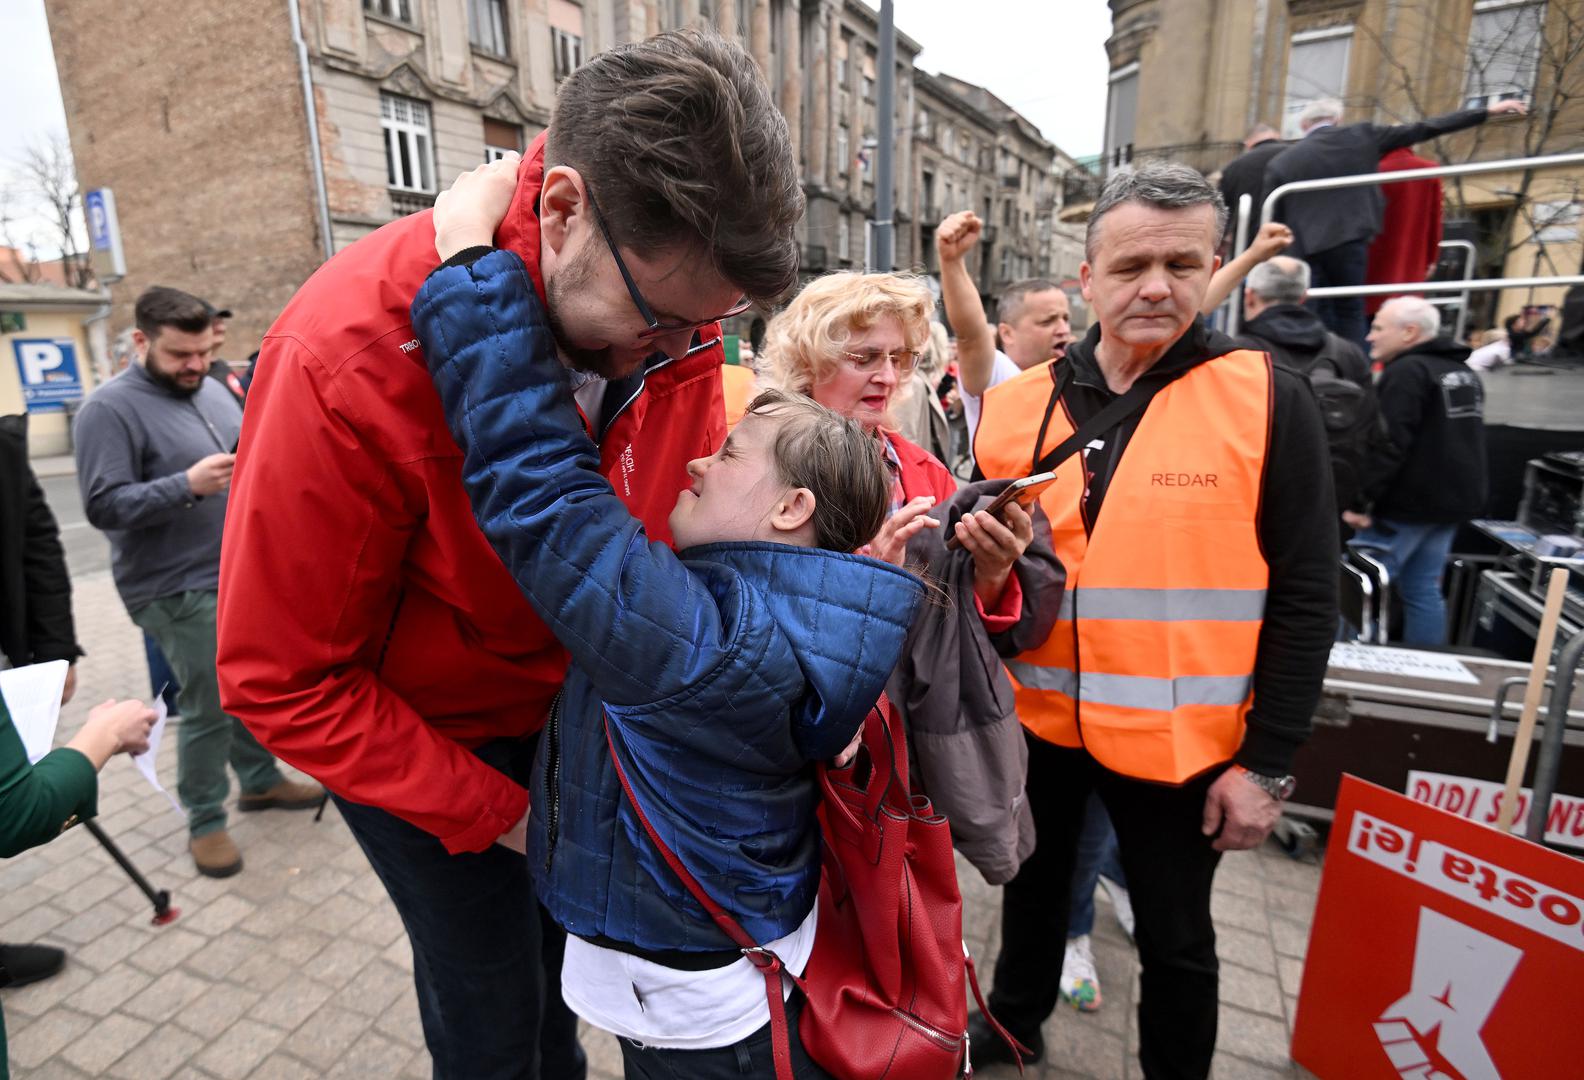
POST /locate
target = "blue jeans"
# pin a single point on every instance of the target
(1347, 264)
(161, 677)
(1097, 854)
(486, 957)
(1415, 554)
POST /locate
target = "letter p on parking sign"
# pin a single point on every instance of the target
(48, 370)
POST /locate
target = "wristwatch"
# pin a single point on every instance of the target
(1279, 788)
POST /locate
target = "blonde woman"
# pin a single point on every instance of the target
(850, 341)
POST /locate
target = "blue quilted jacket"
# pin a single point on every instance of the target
(726, 670)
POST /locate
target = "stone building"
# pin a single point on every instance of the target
(1189, 78)
(220, 192)
(954, 169)
(1023, 194)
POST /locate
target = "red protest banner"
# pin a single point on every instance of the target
(1441, 950)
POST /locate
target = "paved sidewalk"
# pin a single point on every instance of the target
(298, 967)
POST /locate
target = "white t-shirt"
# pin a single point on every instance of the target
(663, 1007)
(1000, 371)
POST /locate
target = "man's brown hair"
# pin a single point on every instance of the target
(162, 306)
(682, 145)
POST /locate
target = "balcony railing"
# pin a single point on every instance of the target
(409, 202)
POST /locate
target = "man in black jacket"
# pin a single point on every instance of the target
(35, 618)
(1273, 297)
(1245, 175)
(1333, 229)
(1184, 537)
(1432, 475)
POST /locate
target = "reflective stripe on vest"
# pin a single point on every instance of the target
(1135, 691)
(1150, 665)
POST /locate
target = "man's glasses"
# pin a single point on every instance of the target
(656, 328)
(872, 360)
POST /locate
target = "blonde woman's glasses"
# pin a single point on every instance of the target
(872, 360)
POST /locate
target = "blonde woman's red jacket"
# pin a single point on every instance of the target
(368, 634)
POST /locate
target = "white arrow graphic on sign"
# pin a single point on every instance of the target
(1433, 1031)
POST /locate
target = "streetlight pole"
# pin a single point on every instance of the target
(885, 153)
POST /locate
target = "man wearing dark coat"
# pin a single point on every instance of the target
(1332, 229)
(35, 618)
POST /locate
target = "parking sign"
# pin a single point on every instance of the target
(48, 368)
(104, 235)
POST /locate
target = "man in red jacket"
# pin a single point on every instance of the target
(368, 633)
(1409, 243)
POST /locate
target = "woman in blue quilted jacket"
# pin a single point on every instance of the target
(718, 674)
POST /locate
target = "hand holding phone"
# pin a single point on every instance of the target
(1024, 492)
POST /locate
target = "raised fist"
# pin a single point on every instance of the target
(957, 234)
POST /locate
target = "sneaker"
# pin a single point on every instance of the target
(985, 1047)
(215, 854)
(286, 795)
(23, 964)
(1080, 985)
(1121, 903)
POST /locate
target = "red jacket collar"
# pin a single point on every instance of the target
(520, 230)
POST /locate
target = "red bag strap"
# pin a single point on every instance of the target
(768, 963)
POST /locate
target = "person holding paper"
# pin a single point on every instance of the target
(36, 624)
(40, 801)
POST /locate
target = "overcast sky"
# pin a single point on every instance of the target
(1046, 60)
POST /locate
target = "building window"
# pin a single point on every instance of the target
(843, 240)
(869, 75)
(400, 10)
(409, 143)
(843, 149)
(500, 139)
(1504, 49)
(487, 26)
(924, 127)
(568, 50)
(1317, 67)
(1121, 112)
(843, 48)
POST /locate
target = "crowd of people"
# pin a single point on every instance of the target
(496, 559)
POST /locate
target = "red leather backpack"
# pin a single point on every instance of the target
(884, 984)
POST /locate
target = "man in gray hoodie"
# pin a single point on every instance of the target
(155, 449)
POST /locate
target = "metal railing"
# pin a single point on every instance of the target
(1473, 168)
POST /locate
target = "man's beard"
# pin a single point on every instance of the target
(574, 276)
(169, 383)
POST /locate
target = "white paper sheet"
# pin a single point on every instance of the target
(1411, 663)
(145, 761)
(33, 697)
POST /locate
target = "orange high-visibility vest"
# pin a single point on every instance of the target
(737, 385)
(1150, 666)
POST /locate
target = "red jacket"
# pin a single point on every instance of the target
(368, 634)
(1410, 240)
(922, 472)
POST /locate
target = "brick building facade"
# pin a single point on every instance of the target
(208, 148)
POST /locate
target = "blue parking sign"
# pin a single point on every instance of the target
(48, 367)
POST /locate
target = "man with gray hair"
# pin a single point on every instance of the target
(1200, 606)
(1273, 296)
(1432, 476)
(1333, 229)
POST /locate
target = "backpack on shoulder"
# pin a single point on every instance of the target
(1351, 415)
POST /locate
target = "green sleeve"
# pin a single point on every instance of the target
(38, 802)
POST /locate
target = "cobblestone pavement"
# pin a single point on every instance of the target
(298, 967)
